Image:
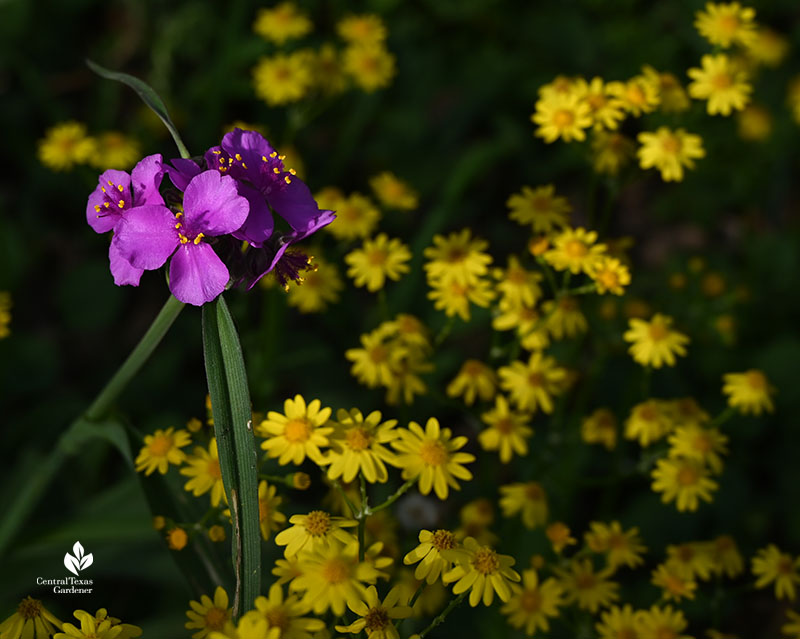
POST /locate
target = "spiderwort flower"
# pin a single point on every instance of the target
(117, 194)
(148, 235)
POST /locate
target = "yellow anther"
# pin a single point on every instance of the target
(281, 157)
(216, 152)
(264, 158)
(274, 154)
(106, 204)
(178, 225)
(222, 160)
(103, 189)
(199, 238)
(292, 171)
(179, 214)
(119, 188)
(183, 238)
(121, 204)
(244, 166)
(238, 157)
(96, 208)
(287, 179)
(110, 183)
(276, 170)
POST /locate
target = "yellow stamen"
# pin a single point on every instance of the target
(199, 238)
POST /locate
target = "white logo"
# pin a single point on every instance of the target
(80, 561)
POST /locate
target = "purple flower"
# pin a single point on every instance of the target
(118, 193)
(148, 235)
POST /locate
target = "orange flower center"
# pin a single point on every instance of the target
(648, 413)
(433, 453)
(534, 492)
(585, 581)
(160, 445)
(721, 81)
(671, 144)
(658, 331)
(377, 354)
(608, 278)
(636, 94)
(756, 380)
(665, 633)
(216, 618)
(530, 601)
(728, 24)
(318, 523)
(377, 619)
(297, 430)
(277, 618)
(687, 476)
(335, 571)
(535, 379)
(563, 118)
(377, 257)
(443, 540)
(357, 439)
(29, 608)
(785, 566)
(504, 425)
(702, 443)
(575, 249)
(473, 368)
(213, 468)
(486, 561)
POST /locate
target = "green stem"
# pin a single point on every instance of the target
(548, 273)
(443, 615)
(384, 305)
(362, 517)
(442, 334)
(648, 374)
(723, 417)
(349, 503)
(399, 493)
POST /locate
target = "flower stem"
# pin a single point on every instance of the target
(362, 517)
(723, 417)
(443, 615)
(399, 493)
(349, 503)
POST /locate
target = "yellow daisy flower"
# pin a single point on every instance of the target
(675, 585)
(300, 432)
(129, 631)
(356, 217)
(474, 379)
(610, 275)
(692, 560)
(768, 48)
(270, 518)
(208, 615)
(329, 76)
(669, 151)
(358, 446)
(216, 533)
(562, 116)
(564, 317)
(726, 23)
(722, 83)
(706, 445)
(533, 385)
(320, 287)
(454, 298)
(673, 95)
(618, 623)
(283, 78)
(792, 627)
(517, 285)
(654, 343)
(161, 449)
(482, 571)
(532, 603)
(575, 250)
(649, 421)
(251, 625)
(366, 28)
(749, 392)
(507, 431)
(378, 259)
(660, 623)
(527, 321)
(771, 565)
(370, 65)
(113, 150)
(375, 363)
(605, 109)
(476, 516)
(431, 455)
(285, 615)
(589, 589)
(281, 23)
(611, 151)
(527, 499)
(622, 548)
(31, 621)
(540, 208)
(428, 554)
(600, 428)
(684, 481)
(376, 617)
(203, 468)
(177, 538)
(393, 192)
(559, 536)
(726, 556)
(65, 145)
(754, 123)
(639, 95)
(315, 531)
(458, 257)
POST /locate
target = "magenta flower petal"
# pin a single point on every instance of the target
(182, 171)
(146, 178)
(122, 270)
(212, 205)
(295, 204)
(103, 209)
(146, 237)
(196, 274)
(259, 224)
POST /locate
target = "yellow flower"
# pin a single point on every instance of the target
(356, 217)
(393, 192)
(319, 288)
(251, 625)
(333, 578)
(600, 428)
(431, 455)
(113, 150)
(649, 421)
(528, 499)
(654, 343)
(283, 78)
(684, 480)
(177, 538)
(768, 47)
(476, 517)
(705, 445)
(328, 75)
(639, 95)
(754, 123)
(660, 623)
(370, 65)
(749, 392)
(31, 621)
(270, 518)
(562, 116)
(591, 590)
(129, 631)
(378, 259)
(611, 151)
(560, 536)
(507, 431)
(474, 379)
(281, 23)
(517, 285)
(691, 560)
(358, 446)
(208, 615)
(284, 615)
(532, 386)
(618, 623)
(527, 321)
(575, 250)
(669, 151)
(65, 145)
(726, 556)
(373, 364)
(5, 314)
(454, 298)
(376, 616)
(673, 95)
(300, 432)
(315, 531)
(605, 109)
(90, 628)
(532, 603)
(458, 257)
(675, 584)
(620, 547)
(205, 473)
(161, 449)
(722, 83)
(217, 533)
(366, 28)
(771, 565)
(564, 317)
(428, 554)
(540, 208)
(610, 275)
(792, 627)
(483, 571)
(726, 23)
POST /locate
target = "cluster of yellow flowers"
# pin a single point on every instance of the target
(567, 107)
(68, 144)
(289, 76)
(33, 621)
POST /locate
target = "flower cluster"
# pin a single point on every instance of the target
(68, 144)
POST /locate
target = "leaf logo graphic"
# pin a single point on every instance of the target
(79, 561)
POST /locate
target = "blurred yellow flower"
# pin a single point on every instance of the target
(562, 116)
(540, 208)
(526, 499)
(575, 250)
(281, 23)
(749, 392)
(771, 565)
(356, 216)
(474, 379)
(365, 28)
(508, 431)
(319, 288)
(726, 23)
(533, 385)
(65, 145)
(283, 78)
(393, 192)
(589, 589)
(654, 343)
(30, 621)
(208, 615)
(533, 602)
(722, 83)
(378, 259)
(371, 66)
(161, 449)
(203, 468)
(684, 481)
(669, 151)
(482, 571)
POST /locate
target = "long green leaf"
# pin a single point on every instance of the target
(148, 96)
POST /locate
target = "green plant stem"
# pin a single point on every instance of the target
(398, 493)
(349, 503)
(646, 379)
(362, 517)
(445, 331)
(723, 417)
(443, 615)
